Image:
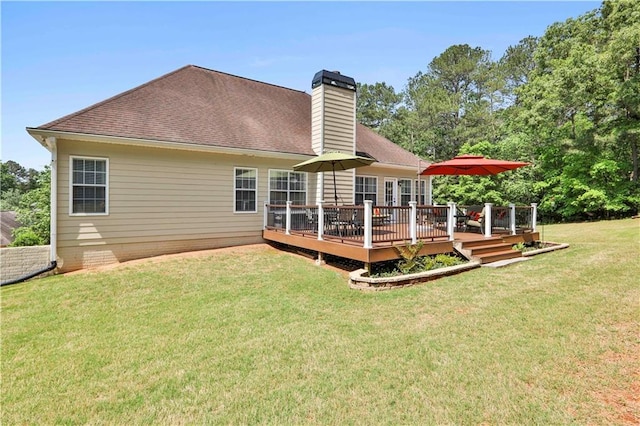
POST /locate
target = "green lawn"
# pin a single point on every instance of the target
(261, 336)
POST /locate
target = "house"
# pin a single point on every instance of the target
(187, 162)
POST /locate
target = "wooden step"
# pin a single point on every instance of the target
(478, 250)
(499, 255)
(467, 245)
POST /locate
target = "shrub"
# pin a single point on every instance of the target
(26, 237)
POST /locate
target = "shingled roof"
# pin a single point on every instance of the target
(195, 105)
(8, 223)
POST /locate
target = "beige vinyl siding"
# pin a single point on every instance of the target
(317, 119)
(333, 129)
(382, 173)
(160, 201)
(339, 119)
(344, 184)
(333, 119)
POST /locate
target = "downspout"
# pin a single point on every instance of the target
(51, 267)
(53, 222)
(53, 233)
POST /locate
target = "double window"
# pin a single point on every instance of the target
(366, 189)
(245, 190)
(89, 186)
(287, 186)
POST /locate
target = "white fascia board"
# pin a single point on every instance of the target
(40, 135)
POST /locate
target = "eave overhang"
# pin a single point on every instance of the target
(41, 134)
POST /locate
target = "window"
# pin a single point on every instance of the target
(245, 190)
(366, 189)
(405, 191)
(421, 192)
(287, 186)
(89, 191)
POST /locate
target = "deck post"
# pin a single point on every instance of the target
(487, 219)
(266, 214)
(413, 222)
(451, 219)
(287, 228)
(534, 216)
(368, 224)
(320, 220)
(512, 218)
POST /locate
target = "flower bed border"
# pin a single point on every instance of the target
(555, 246)
(358, 279)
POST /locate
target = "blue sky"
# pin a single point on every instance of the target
(59, 57)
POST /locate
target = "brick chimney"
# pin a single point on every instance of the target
(333, 127)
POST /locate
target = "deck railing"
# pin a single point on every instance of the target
(366, 225)
(524, 218)
(509, 219)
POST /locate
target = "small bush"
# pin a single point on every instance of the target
(26, 237)
(426, 263)
(520, 246)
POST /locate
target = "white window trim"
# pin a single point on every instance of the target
(243, 189)
(106, 187)
(365, 176)
(306, 184)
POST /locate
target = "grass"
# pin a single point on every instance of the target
(260, 336)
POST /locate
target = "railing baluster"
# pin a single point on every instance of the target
(487, 219)
(320, 221)
(368, 224)
(534, 216)
(265, 213)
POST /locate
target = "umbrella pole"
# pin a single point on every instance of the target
(335, 188)
(335, 197)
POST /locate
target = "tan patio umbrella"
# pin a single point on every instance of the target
(332, 161)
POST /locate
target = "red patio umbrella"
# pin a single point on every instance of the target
(472, 165)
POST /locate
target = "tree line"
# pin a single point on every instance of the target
(568, 102)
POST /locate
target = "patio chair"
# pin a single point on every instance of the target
(439, 217)
(312, 220)
(358, 222)
(344, 222)
(378, 217)
(475, 220)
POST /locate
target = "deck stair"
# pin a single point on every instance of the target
(487, 250)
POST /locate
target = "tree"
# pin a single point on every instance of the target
(34, 213)
(516, 65)
(454, 101)
(15, 180)
(578, 109)
(376, 104)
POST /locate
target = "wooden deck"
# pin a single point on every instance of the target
(351, 246)
(371, 234)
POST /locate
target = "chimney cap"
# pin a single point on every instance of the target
(333, 78)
